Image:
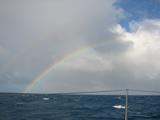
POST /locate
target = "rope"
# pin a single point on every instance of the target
(87, 92)
(106, 91)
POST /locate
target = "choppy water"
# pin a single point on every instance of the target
(76, 107)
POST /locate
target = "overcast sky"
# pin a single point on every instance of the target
(118, 45)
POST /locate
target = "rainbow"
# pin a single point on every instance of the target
(52, 66)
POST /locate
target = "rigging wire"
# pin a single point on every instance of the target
(108, 91)
(88, 92)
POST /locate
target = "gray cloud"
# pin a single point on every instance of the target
(35, 33)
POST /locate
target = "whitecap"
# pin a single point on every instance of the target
(119, 97)
(119, 106)
(45, 98)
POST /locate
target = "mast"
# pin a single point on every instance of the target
(126, 106)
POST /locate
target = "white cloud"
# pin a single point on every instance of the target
(144, 55)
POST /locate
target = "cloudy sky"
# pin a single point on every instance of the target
(79, 45)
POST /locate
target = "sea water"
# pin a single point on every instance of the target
(77, 107)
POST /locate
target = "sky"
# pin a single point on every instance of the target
(79, 45)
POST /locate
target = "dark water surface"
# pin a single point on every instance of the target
(76, 107)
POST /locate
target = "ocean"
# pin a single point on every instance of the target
(77, 107)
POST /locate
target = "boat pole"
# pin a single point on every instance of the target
(126, 106)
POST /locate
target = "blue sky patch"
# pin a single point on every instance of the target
(138, 10)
